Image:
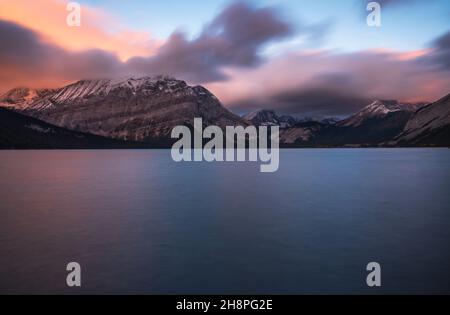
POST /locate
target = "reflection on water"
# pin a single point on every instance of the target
(138, 222)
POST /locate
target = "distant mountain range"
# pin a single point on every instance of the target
(266, 117)
(270, 118)
(141, 112)
(374, 125)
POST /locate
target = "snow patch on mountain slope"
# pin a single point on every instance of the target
(39, 128)
(103, 87)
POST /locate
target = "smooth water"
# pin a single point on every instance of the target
(138, 222)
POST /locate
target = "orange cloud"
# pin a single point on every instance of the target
(401, 56)
(98, 30)
(413, 54)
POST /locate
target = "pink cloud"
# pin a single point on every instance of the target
(354, 76)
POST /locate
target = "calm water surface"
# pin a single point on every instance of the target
(138, 222)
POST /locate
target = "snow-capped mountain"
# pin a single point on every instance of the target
(101, 88)
(378, 109)
(136, 109)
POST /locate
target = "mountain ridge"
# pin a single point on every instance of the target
(145, 109)
(141, 109)
(377, 109)
(430, 125)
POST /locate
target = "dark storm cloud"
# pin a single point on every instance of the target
(233, 38)
(326, 94)
(23, 55)
(19, 45)
(440, 55)
(313, 102)
(321, 101)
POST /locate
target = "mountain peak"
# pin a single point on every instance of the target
(131, 85)
(129, 81)
(379, 109)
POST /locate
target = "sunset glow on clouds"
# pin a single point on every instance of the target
(329, 83)
(99, 30)
(306, 76)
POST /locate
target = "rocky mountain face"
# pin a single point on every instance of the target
(18, 131)
(270, 118)
(135, 109)
(428, 126)
(303, 134)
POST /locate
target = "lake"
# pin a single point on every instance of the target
(137, 222)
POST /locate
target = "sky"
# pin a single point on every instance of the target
(302, 57)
